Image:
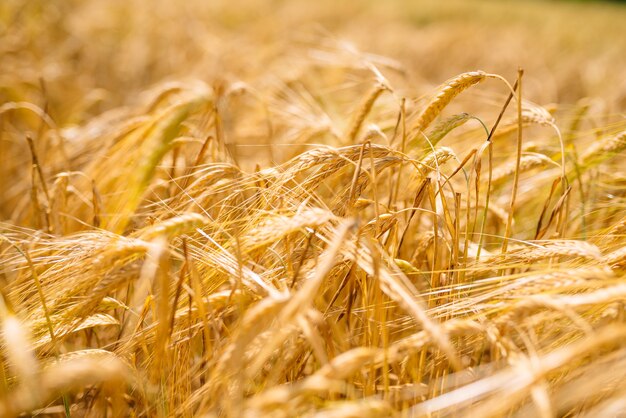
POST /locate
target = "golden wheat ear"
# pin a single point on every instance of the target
(444, 96)
(602, 150)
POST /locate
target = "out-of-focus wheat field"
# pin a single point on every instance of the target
(317, 209)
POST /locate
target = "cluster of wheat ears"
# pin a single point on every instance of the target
(364, 253)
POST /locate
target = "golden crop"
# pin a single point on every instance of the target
(265, 208)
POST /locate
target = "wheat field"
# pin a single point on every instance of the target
(315, 209)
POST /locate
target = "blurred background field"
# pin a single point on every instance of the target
(101, 54)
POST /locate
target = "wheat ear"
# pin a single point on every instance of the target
(447, 92)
